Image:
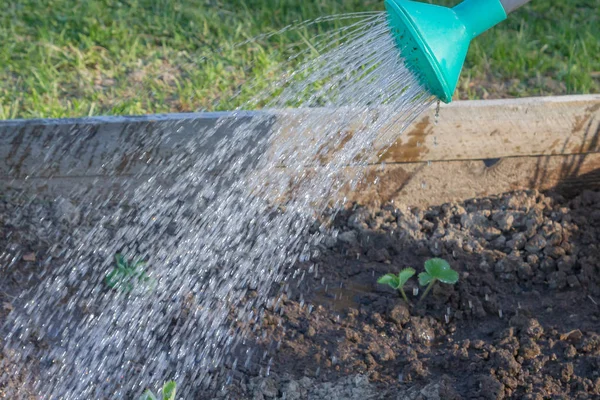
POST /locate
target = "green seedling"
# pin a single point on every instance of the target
(436, 269)
(398, 281)
(126, 274)
(167, 392)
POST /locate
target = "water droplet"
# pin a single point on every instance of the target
(302, 277)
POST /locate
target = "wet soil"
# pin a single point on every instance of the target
(521, 323)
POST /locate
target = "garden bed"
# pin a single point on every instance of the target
(522, 322)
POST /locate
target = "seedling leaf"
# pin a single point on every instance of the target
(148, 395)
(404, 276)
(448, 276)
(120, 261)
(389, 279)
(127, 273)
(435, 266)
(169, 390)
(112, 278)
(425, 278)
(437, 269)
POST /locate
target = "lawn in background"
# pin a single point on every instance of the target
(70, 58)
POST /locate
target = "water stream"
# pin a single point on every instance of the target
(214, 226)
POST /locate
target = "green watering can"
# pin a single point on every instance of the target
(434, 40)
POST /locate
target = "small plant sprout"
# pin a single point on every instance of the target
(398, 281)
(167, 392)
(126, 273)
(436, 269)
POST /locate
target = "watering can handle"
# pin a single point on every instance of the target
(512, 5)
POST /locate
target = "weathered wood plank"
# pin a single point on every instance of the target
(92, 147)
(541, 143)
(438, 182)
(467, 130)
(416, 184)
(473, 130)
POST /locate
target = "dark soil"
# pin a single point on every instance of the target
(521, 323)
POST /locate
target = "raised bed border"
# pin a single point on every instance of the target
(478, 148)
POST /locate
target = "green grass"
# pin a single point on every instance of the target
(66, 58)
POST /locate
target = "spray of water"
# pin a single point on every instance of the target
(230, 216)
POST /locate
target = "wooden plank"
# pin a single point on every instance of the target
(541, 143)
(92, 147)
(467, 130)
(439, 182)
(474, 130)
(414, 184)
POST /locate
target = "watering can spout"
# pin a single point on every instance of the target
(434, 40)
